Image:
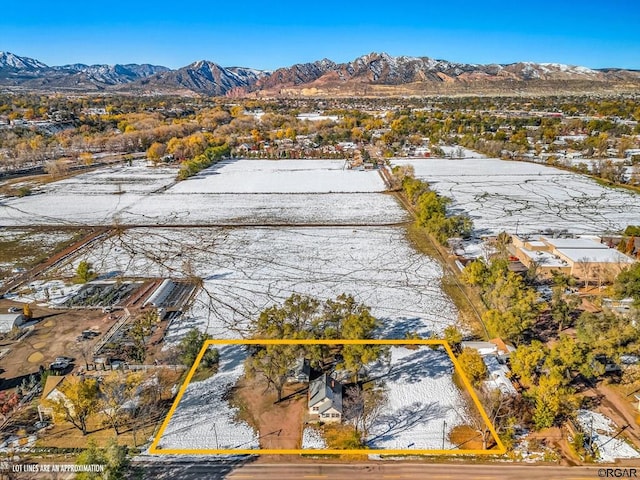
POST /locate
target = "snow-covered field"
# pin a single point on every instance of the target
(137, 178)
(505, 195)
(32, 244)
(246, 270)
(53, 292)
(281, 176)
(264, 209)
(204, 419)
(313, 439)
(609, 448)
(236, 193)
(422, 401)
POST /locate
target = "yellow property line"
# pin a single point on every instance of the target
(153, 449)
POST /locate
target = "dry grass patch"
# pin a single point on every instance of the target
(466, 438)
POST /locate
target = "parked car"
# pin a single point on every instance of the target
(14, 309)
(88, 334)
(59, 365)
(64, 359)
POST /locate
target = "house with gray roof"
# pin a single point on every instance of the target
(325, 399)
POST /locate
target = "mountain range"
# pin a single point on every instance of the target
(374, 73)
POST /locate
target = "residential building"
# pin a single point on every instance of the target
(325, 399)
(300, 372)
(584, 258)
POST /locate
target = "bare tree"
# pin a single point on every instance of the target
(56, 168)
(118, 390)
(501, 409)
(353, 405)
(586, 266)
(363, 406)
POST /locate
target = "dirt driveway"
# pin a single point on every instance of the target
(279, 425)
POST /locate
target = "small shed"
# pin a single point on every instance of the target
(9, 321)
(300, 372)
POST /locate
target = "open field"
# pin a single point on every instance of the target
(204, 419)
(505, 195)
(272, 192)
(119, 179)
(25, 248)
(423, 404)
(281, 176)
(244, 270)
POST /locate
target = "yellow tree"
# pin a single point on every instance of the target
(473, 366)
(86, 158)
(236, 111)
(156, 151)
(77, 402)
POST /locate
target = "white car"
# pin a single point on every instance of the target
(57, 365)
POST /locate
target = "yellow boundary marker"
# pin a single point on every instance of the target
(156, 450)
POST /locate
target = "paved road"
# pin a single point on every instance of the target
(208, 469)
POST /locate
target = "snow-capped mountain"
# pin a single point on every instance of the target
(9, 61)
(384, 69)
(30, 73)
(202, 77)
(208, 78)
(113, 74)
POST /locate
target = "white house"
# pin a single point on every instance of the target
(325, 399)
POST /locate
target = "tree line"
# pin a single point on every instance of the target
(430, 207)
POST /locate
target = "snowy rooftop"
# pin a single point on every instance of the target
(574, 243)
(498, 379)
(483, 348)
(595, 255)
(536, 243)
(544, 259)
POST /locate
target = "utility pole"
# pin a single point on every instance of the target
(215, 433)
(444, 430)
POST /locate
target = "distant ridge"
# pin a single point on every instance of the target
(371, 73)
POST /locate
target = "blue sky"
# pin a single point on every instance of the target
(267, 35)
